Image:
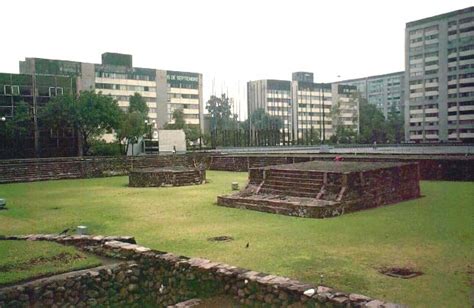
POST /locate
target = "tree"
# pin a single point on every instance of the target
(223, 122)
(90, 114)
(372, 123)
(395, 125)
(137, 103)
(178, 119)
(265, 127)
(132, 127)
(133, 124)
(192, 132)
(221, 112)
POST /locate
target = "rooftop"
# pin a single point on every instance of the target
(440, 16)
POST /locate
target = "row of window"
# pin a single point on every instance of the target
(463, 30)
(14, 90)
(427, 29)
(186, 96)
(124, 76)
(460, 67)
(122, 87)
(460, 95)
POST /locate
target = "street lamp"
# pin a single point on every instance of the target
(3, 119)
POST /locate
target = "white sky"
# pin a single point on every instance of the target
(230, 42)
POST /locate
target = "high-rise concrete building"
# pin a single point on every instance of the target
(384, 91)
(345, 107)
(439, 78)
(304, 106)
(164, 91)
(273, 96)
(312, 108)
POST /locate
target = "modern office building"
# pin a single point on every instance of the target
(384, 91)
(274, 96)
(35, 91)
(439, 78)
(163, 90)
(312, 108)
(304, 106)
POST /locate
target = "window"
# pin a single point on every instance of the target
(52, 91)
(7, 90)
(15, 90)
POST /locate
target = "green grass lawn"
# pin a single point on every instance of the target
(21, 260)
(434, 234)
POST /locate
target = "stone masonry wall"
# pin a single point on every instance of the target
(153, 278)
(27, 170)
(433, 167)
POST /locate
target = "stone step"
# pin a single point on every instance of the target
(293, 174)
(292, 193)
(294, 181)
(286, 185)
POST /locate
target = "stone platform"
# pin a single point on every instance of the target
(168, 176)
(321, 189)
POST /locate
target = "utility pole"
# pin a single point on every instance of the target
(324, 129)
(35, 116)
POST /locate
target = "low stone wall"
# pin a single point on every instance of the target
(27, 170)
(153, 278)
(432, 167)
(157, 177)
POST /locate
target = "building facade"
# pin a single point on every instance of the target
(273, 96)
(439, 78)
(305, 107)
(34, 92)
(384, 91)
(164, 91)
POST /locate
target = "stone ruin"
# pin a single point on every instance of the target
(167, 176)
(320, 189)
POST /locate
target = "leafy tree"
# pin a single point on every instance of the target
(132, 127)
(395, 125)
(178, 119)
(192, 132)
(133, 124)
(138, 104)
(221, 112)
(265, 127)
(372, 123)
(90, 114)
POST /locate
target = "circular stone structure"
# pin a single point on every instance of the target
(169, 176)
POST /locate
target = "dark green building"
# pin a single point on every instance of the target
(34, 91)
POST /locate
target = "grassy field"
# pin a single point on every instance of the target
(21, 260)
(433, 234)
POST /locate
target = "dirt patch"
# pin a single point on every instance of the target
(63, 257)
(222, 238)
(400, 272)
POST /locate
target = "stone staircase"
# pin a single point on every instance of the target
(295, 183)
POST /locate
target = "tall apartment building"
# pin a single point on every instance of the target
(163, 90)
(439, 78)
(345, 107)
(304, 106)
(384, 91)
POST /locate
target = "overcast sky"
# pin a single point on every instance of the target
(229, 42)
